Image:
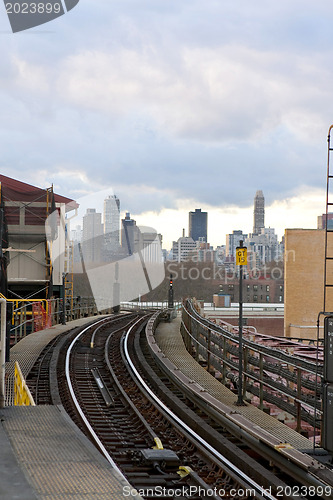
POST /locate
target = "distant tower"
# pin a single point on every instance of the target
(92, 234)
(112, 223)
(128, 234)
(258, 212)
(198, 225)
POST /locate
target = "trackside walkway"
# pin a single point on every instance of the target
(43, 454)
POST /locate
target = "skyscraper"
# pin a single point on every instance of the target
(129, 233)
(258, 212)
(112, 224)
(92, 235)
(197, 225)
(233, 241)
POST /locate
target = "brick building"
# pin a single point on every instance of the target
(304, 281)
(268, 289)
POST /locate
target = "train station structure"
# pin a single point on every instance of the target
(27, 243)
(45, 424)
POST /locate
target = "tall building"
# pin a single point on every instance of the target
(128, 234)
(258, 212)
(233, 241)
(263, 247)
(151, 246)
(197, 225)
(92, 235)
(321, 221)
(76, 234)
(182, 248)
(111, 224)
(304, 282)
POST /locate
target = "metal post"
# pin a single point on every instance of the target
(25, 321)
(246, 354)
(63, 309)
(241, 258)
(240, 401)
(261, 389)
(208, 349)
(298, 404)
(170, 293)
(3, 353)
(224, 368)
(196, 336)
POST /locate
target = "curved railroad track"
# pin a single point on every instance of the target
(108, 381)
(150, 447)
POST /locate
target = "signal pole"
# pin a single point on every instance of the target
(170, 293)
(241, 260)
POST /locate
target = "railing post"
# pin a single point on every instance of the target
(197, 342)
(25, 321)
(3, 329)
(208, 349)
(224, 368)
(21, 323)
(32, 320)
(298, 404)
(246, 353)
(261, 390)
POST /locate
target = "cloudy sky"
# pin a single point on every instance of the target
(175, 105)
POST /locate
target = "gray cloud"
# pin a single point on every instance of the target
(176, 100)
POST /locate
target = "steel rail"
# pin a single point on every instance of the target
(77, 406)
(219, 456)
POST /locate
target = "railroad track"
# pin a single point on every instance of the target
(112, 379)
(154, 451)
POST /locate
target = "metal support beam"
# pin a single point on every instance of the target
(3, 329)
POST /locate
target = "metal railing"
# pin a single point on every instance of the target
(25, 318)
(149, 305)
(290, 382)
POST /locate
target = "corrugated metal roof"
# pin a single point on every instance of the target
(24, 188)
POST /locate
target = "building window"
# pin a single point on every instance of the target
(267, 298)
(255, 298)
(248, 288)
(280, 298)
(255, 288)
(281, 288)
(267, 288)
(231, 287)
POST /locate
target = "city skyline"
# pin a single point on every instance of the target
(175, 231)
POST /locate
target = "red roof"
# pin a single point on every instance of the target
(28, 189)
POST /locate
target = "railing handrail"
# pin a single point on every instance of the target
(284, 374)
(273, 352)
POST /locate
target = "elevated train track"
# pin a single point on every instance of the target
(174, 440)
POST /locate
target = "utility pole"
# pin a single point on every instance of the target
(170, 293)
(241, 260)
(63, 298)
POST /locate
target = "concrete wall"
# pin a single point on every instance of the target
(304, 281)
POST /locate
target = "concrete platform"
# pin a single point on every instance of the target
(47, 457)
